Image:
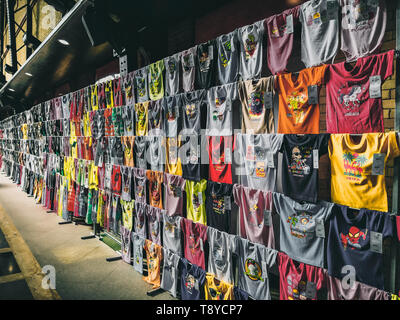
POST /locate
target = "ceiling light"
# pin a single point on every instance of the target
(29, 74)
(63, 42)
(10, 89)
(142, 29)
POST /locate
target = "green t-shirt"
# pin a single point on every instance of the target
(196, 201)
(156, 84)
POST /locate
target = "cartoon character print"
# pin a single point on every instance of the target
(192, 244)
(362, 14)
(196, 202)
(141, 86)
(353, 237)
(140, 189)
(137, 254)
(316, 17)
(170, 227)
(215, 294)
(141, 116)
(187, 62)
(190, 283)
(175, 190)
(351, 98)
(225, 55)
(153, 261)
(298, 166)
(171, 67)
(250, 46)
(155, 192)
(173, 151)
(218, 204)
(253, 270)
(155, 85)
(296, 289)
(256, 104)
(252, 218)
(219, 257)
(218, 115)
(155, 229)
(171, 114)
(301, 225)
(191, 111)
(354, 165)
(204, 61)
(296, 102)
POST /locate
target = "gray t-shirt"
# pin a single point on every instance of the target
(298, 229)
(220, 106)
(139, 181)
(137, 245)
(220, 254)
(320, 31)
(251, 50)
(155, 116)
(188, 69)
(141, 84)
(169, 279)
(173, 194)
(363, 27)
(128, 87)
(259, 160)
(154, 224)
(192, 103)
(156, 153)
(140, 148)
(172, 107)
(140, 219)
(128, 119)
(172, 67)
(172, 233)
(254, 262)
(228, 58)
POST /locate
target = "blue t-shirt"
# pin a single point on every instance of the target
(349, 244)
(192, 281)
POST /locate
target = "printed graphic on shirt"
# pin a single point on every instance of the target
(170, 227)
(352, 238)
(296, 101)
(190, 283)
(255, 104)
(253, 270)
(301, 224)
(141, 117)
(250, 46)
(171, 67)
(204, 61)
(187, 62)
(139, 221)
(296, 290)
(215, 294)
(362, 14)
(155, 192)
(257, 154)
(353, 165)
(191, 111)
(219, 259)
(351, 98)
(225, 55)
(298, 167)
(155, 80)
(141, 87)
(176, 190)
(218, 204)
(252, 217)
(140, 188)
(316, 17)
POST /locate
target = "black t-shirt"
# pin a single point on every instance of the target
(299, 175)
(190, 155)
(205, 64)
(218, 205)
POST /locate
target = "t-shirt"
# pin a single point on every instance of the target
(172, 106)
(188, 68)
(215, 289)
(228, 58)
(256, 97)
(220, 108)
(190, 157)
(128, 120)
(301, 237)
(358, 291)
(300, 165)
(173, 194)
(254, 262)
(219, 205)
(363, 27)
(140, 147)
(220, 152)
(354, 239)
(155, 117)
(108, 89)
(137, 249)
(173, 163)
(192, 105)
(154, 224)
(240, 294)
(117, 92)
(155, 180)
(298, 111)
(172, 67)
(205, 59)
(141, 78)
(156, 81)
(319, 32)
(140, 219)
(127, 213)
(126, 239)
(139, 182)
(128, 144)
(353, 183)
(116, 180)
(220, 254)
(195, 237)
(349, 107)
(280, 34)
(142, 116)
(170, 272)
(156, 153)
(195, 201)
(172, 233)
(154, 259)
(255, 215)
(259, 160)
(192, 280)
(251, 50)
(299, 281)
(128, 87)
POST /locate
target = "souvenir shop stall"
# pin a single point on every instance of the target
(213, 170)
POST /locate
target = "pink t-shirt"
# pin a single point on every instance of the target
(300, 282)
(349, 108)
(195, 237)
(173, 194)
(253, 205)
(280, 43)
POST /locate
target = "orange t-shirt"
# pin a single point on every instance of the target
(296, 116)
(155, 179)
(154, 258)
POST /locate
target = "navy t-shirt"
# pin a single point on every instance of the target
(349, 244)
(192, 281)
(218, 205)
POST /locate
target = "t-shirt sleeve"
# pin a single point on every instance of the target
(388, 226)
(386, 65)
(393, 146)
(271, 257)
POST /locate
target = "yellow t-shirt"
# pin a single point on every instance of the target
(196, 201)
(24, 129)
(109, 94)
(215, 289)
(127, 213)
(173, 164)
(352, 182)
(93, 176)
(94, 98)
(142, 117)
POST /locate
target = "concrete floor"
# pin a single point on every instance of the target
(82, 272)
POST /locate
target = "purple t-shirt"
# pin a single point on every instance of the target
(192, 280)
(349, 243)
(255, 215)
(173, 196)
(280, 39)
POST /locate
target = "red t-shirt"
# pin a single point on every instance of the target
(116, 180)
(299, 282)
(195, 237)
(220, 168)
(349, 108)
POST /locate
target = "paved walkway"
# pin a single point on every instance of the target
(31, 238)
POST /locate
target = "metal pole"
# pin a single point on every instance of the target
(11, 33)
(28, 26)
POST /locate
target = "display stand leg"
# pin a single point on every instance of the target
(88, 237)
(154, 292)
(65, 222)
(113, 259)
